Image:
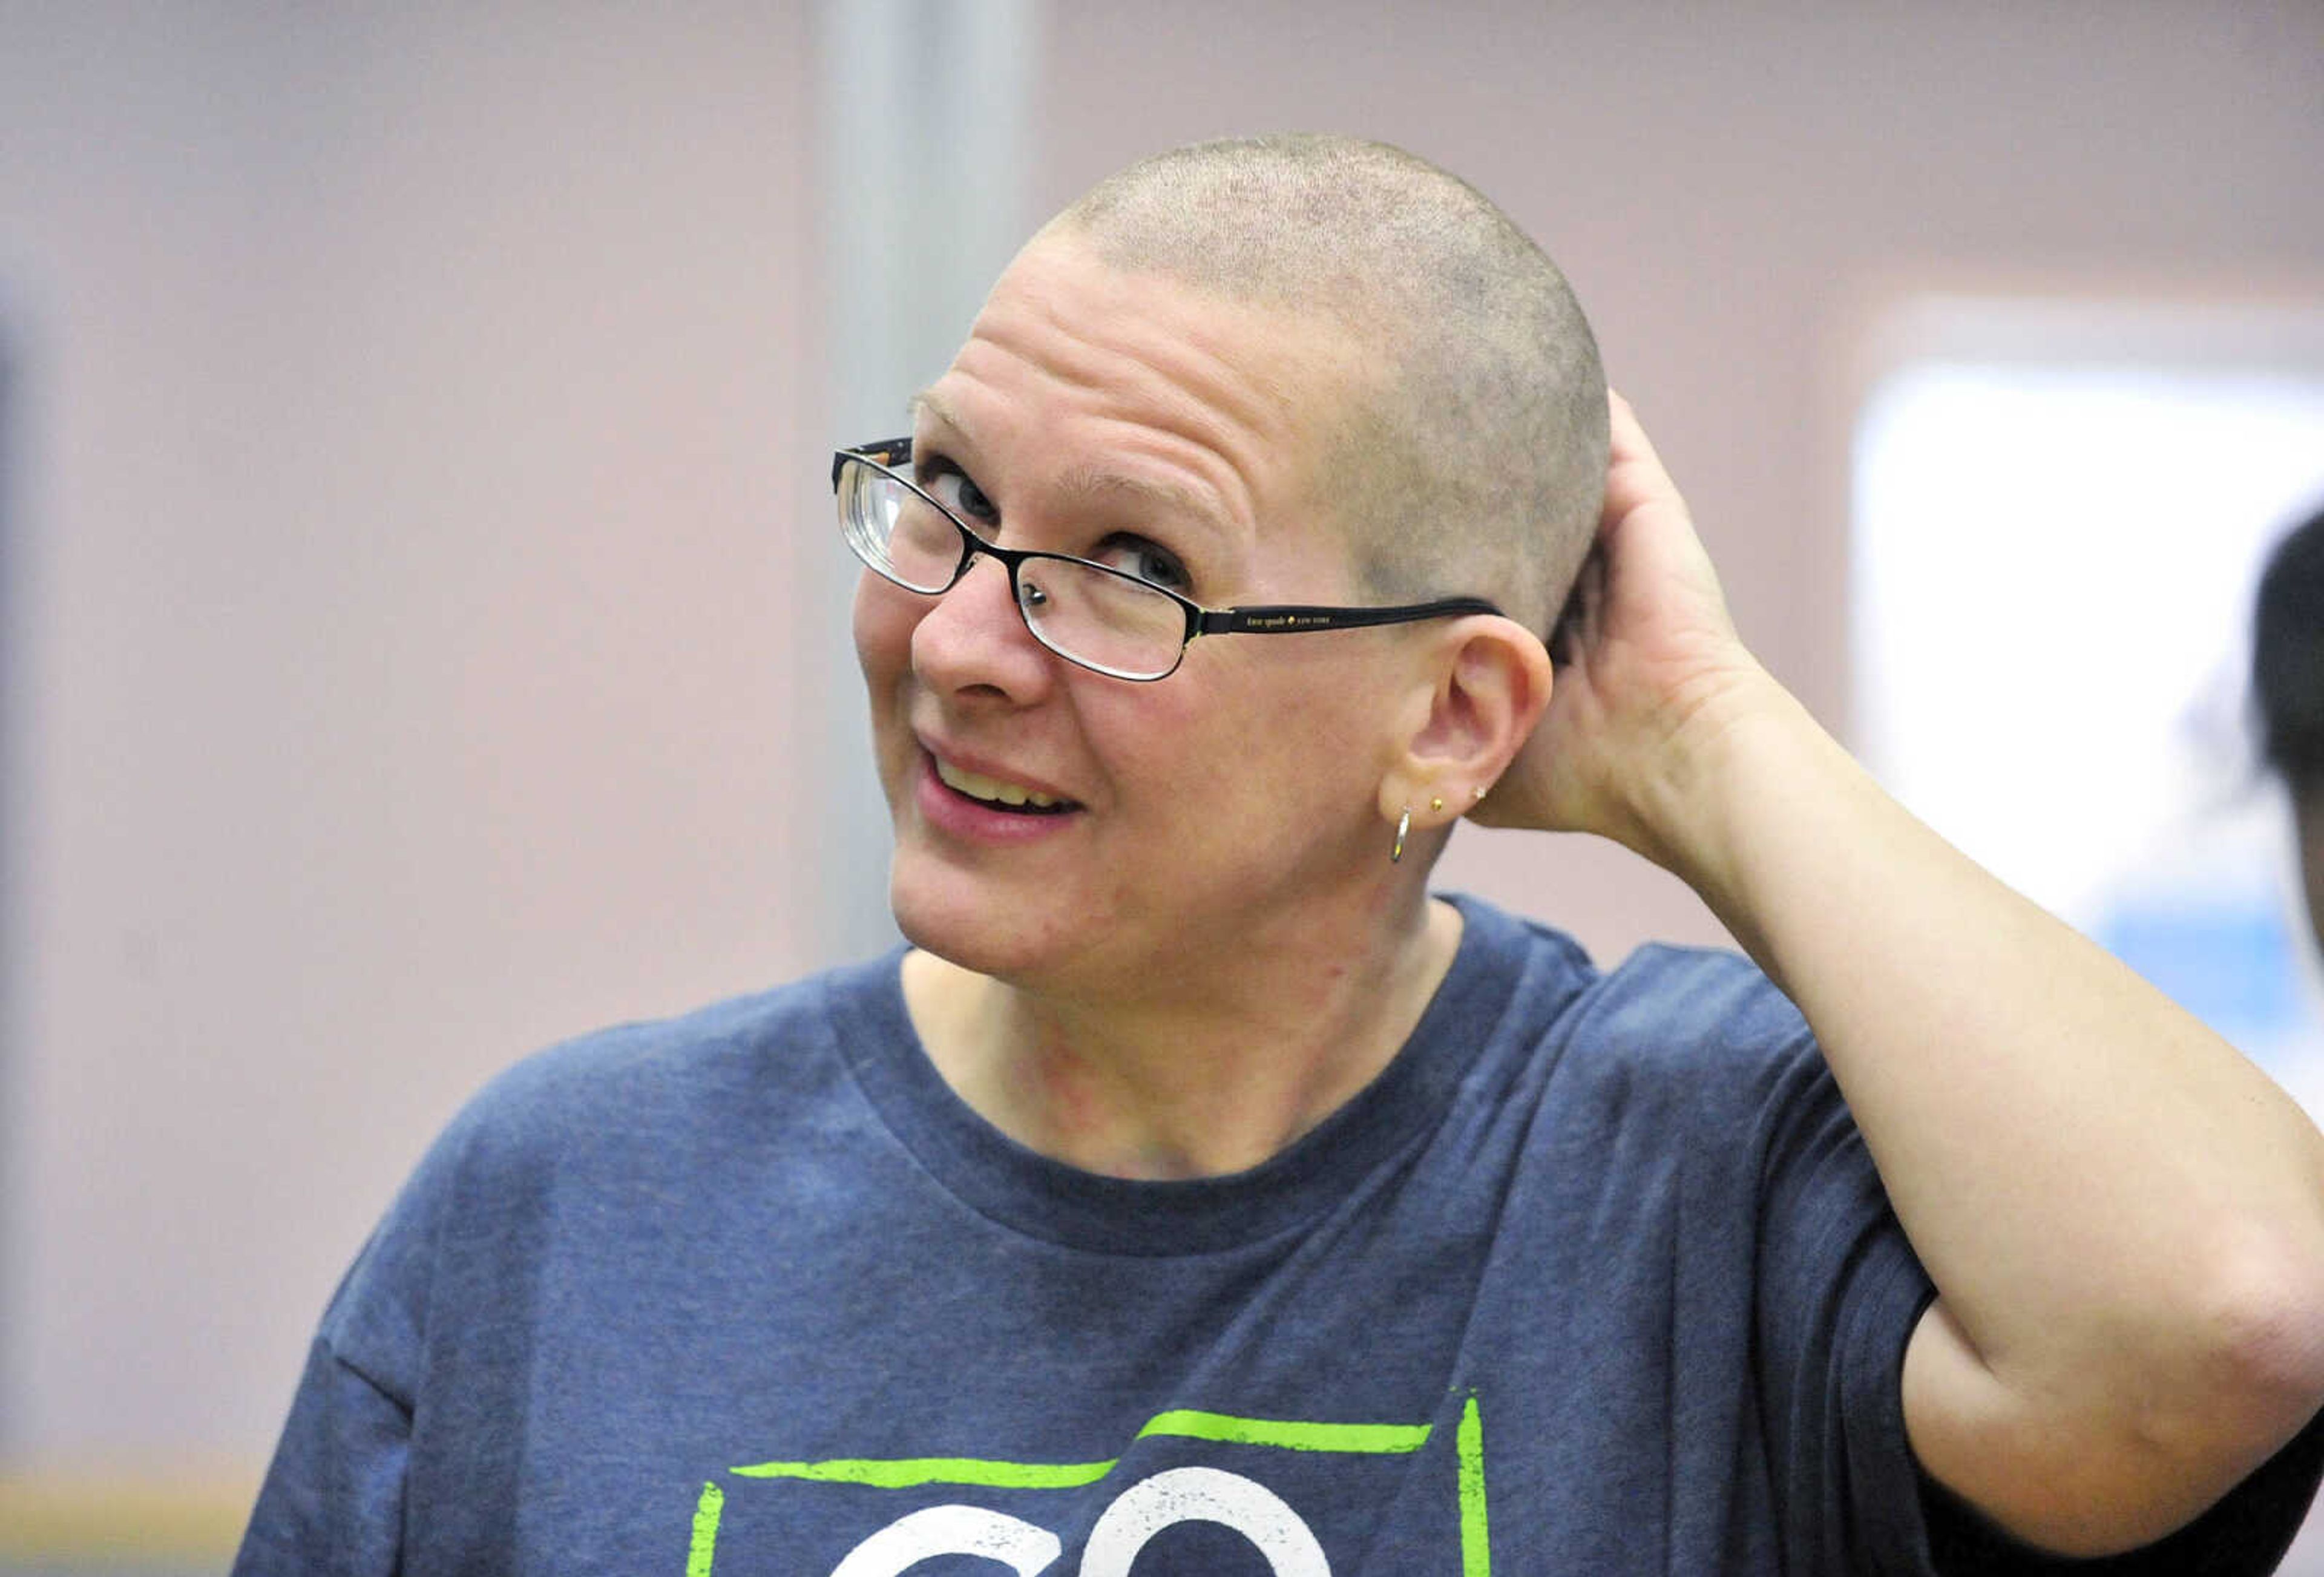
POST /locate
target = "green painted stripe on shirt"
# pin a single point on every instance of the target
(707, 1510)
(1476, 1542)
(910, 1472)
(1365, 1439)
(1183, 1423)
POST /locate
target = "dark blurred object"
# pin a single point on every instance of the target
(2288, 688)
(2288, 656)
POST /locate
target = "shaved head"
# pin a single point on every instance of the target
(1469, 454)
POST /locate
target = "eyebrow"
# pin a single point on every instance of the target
(925, 400)
(1181, 503)
(1088, 484)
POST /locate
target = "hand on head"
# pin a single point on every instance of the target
(1647, 659)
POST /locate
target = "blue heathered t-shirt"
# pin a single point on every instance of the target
(1595, 1278)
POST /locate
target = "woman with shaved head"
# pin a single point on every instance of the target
(1198, 1194)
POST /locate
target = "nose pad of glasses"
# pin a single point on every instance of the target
(966, 598)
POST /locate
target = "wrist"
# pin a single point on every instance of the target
(1744, 752)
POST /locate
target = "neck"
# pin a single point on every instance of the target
(1205, 1074)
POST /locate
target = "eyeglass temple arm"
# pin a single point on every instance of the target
(1293, 616)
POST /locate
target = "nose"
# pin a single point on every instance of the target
(973, 640)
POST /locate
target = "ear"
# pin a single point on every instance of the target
(1473, 703)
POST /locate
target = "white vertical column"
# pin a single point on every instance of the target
(924, 110)
(15, 1179)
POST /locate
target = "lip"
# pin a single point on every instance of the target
(972, 821)
(986, 766)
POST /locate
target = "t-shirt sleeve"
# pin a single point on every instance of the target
(1839, 1290)
(1840, 1294)
(333, 1499)
(332, 1505)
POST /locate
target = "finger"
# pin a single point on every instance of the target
(1628, 439)
(1635, 474)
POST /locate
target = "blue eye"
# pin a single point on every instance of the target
(950, 486)
(1148, 561)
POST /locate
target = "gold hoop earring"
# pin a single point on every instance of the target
(1403, 825)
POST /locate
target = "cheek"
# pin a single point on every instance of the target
(884, 618)
(1153, 743)
(1287, 751)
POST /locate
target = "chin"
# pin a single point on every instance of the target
(963, 921)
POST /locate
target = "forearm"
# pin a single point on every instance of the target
(2124, 1218)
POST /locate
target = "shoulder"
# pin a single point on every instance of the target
(1693, 1002)
(1677, 1046)
(1700, 1040)
(1664, 1008)
(670, 1104)
(657, 1116)
(644, 1079)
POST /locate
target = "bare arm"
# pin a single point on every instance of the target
(2124, 1218)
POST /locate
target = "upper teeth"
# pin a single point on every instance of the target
(977, 786)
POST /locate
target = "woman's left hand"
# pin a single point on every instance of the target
(1649, 669)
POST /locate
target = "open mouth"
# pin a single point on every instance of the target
(996, 794)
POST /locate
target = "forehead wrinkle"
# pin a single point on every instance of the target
(1093, 485)
(1090, 486)
(1283, 382)
(1232, 404)
(1177, 429)
(1215, 397)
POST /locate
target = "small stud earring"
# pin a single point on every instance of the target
(1436, 802)
(1478, 792)
(1403, 825)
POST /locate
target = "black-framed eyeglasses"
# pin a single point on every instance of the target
(1091, 615)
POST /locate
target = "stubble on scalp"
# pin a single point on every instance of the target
(1467, 456)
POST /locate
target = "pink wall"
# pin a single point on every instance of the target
(415, 406)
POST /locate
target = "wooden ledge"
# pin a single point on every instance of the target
(67, 1518)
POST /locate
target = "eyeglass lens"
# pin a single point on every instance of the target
(1110, 621)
